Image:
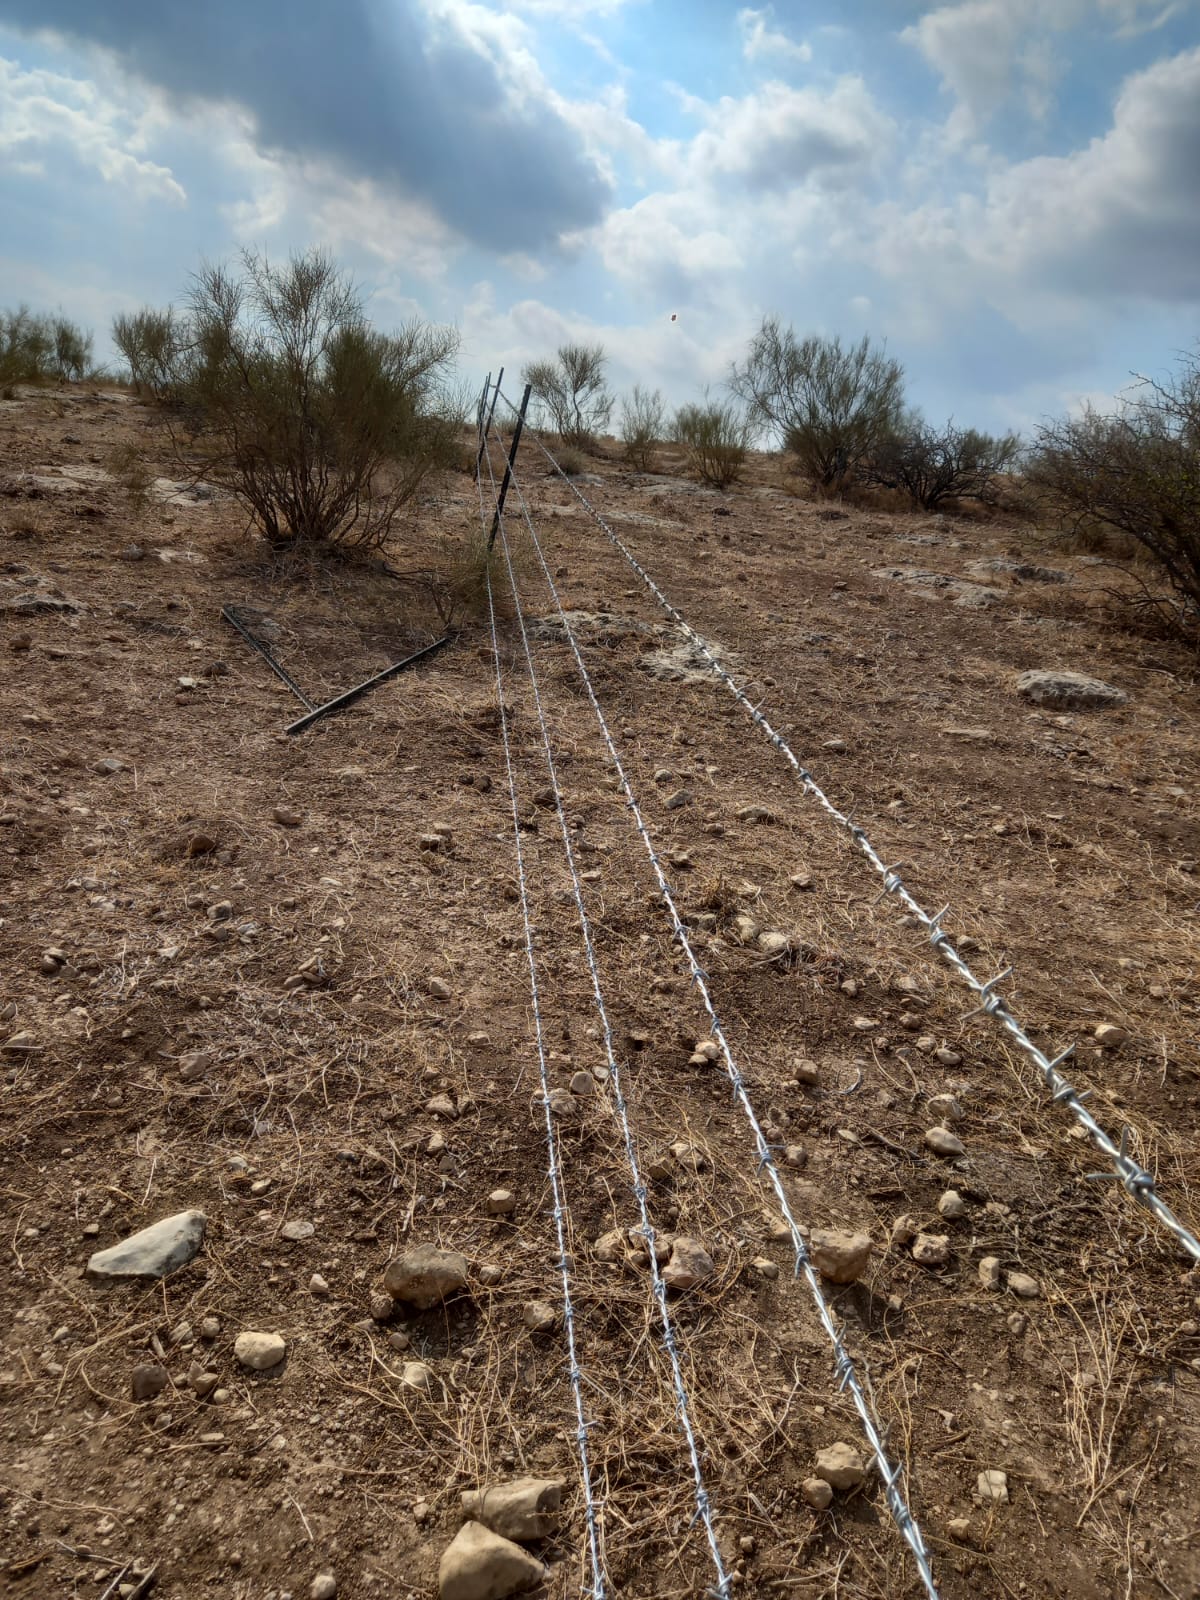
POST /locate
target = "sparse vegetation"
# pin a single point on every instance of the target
(37, 349)
(716, 438)
(128, 465)
(571, 389)
(831, 407)
(643, 424)
(151, 342)
(1134, 473)
(324, 428)
(936, 464)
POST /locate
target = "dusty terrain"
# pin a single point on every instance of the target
(171, 1064)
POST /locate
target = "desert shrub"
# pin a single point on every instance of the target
(1134, 473)
(572, 462)
(130, 469)
(151, 343)
(935, 464)
(831, 407)
(36, 348)
(716, 439)
(571, 390)
(324, 428)
(643, 424)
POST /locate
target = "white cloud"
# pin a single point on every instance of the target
(46, 112)
(1118, 219)
(983, 50)
(760, 41)
(781, 137)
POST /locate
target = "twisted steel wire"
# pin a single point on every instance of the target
(704, 1512)
(1137, 1181)
(599, 1588)
(848, 1381)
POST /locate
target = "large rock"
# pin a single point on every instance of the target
(1068, 691)
(841, 1466)
(690, 1264)
(161, 1248)
(425, 1276)
(527, 1508)
(839, 1256)
(480, 1565)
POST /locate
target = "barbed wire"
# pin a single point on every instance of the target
(1137, 1181)
(599, 1587)
(704, 1510)
(844, 1367)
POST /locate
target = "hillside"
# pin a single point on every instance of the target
(283, 981)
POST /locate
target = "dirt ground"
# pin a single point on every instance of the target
(241, 1016)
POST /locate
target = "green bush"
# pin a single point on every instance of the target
(571, 389)
(831, 407)
(716, 438)
(643, 424)
(151, 342)
(36, 349)
(1134, 473)
(936, 464)
(324, 428)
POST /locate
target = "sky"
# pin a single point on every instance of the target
(1005, 192)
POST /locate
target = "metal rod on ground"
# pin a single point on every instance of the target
(512, 456)
(351, 695)
(257, 644)
(485, 424)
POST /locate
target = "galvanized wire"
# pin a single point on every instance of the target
(1138, 1182)
(848, 1380)
(599, 1588)
(704, 1511)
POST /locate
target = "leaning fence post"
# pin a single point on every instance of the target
(479, 408)
(486, 424)
(512, 456)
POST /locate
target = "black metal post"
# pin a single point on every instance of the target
(234, 621)
(487, 426)
(351, 695)
(512, 456)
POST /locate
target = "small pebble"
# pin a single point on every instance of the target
(989, 1272)
(501, 1203)
(324, 1587)
(952, 1205)
(944, 1143)
(1023, 1286)
(1109, 1037)
(817, 1493)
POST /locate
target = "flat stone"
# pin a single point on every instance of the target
(148, 1380)
(416, 1375)
(295, 1231)
(1069, 691)
(992, 1487)
(944, 1143)
(817, 1493)
(196, 1064)
(425, 1276)
(945, 1107)
(839, 1256)
(259, 1351)
(153, 1252)
(481, 1565)
(526, 1508)
(583, 1084)
(774, 945)
(1023, 1286)
(610, 1247)
(1109, 1037)
(501, 1203)
(690, 1264)
(441, 1105)
(989, 1272)
(951, 1205)
(931, 1249)
(539, 1316)
(285, 817)
(841, 1466)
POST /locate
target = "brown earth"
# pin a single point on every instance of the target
(1066, 845)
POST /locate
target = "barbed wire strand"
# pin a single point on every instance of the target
(704, 1510)
(1137, 1181)
(848, 1380)
(599, 1587)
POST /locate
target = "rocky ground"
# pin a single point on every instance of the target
(275, 989)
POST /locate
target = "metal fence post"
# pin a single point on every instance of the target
(485, 427)
(512, 456)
